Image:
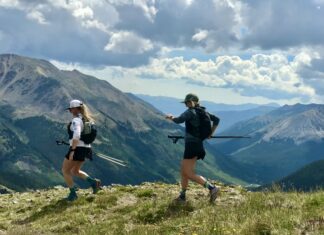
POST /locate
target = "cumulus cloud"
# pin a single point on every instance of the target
(110, 27)
(209, 24)
(283, 24)
(128, 42)
(177, 21)
(270, 76)
(201, 35)
(132, 33)
(83, 13)
(38, 16)
(69, 31)
(310, 66)
(148, 7)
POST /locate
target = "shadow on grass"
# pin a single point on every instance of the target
(51, 209)
(150, 215)
(179, 208)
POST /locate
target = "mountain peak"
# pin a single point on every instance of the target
(302, 127)
(37, 86)
(10, 56)
(74, 71)
(300, 123)
(17, 63)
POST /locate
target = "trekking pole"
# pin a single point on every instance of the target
(112, 160)
(100, 155)
(176, 138)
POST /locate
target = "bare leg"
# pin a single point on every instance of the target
(184, 178)
(76, 170)
(189, 170)
(66, 170)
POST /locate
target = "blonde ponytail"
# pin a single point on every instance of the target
(87, 115)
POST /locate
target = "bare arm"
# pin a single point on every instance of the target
(213, 130)
(76, 126)
(75, 143)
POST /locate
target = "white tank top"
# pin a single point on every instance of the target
(77, 127)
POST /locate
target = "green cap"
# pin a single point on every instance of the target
(191, 97)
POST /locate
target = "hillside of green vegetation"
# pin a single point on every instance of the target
(149, 209)
(307, 178)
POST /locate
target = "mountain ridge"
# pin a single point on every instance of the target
(213, 106)
(282, 141)
(283, 123)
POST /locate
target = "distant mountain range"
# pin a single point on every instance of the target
(33, 97)
(283, 141)
(230, 118)
(229, 114)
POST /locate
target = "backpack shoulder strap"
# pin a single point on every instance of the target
(200, 110)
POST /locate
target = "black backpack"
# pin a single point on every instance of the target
(205, 127)
(89, 133)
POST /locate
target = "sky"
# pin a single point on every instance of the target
(228, 51)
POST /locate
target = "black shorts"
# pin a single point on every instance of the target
(80, 154)
(194, 149)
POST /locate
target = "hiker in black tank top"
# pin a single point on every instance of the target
(194, 148)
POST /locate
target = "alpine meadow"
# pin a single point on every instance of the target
(180, 117)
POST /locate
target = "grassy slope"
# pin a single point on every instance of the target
(148, 209)
(309, 177)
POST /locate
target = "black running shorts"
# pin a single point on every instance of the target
(80, 154)
(194, 149)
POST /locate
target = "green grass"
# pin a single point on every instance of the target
(149, 209)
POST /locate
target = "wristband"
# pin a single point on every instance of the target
(72, 150)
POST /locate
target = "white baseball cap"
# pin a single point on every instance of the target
(75, 104)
